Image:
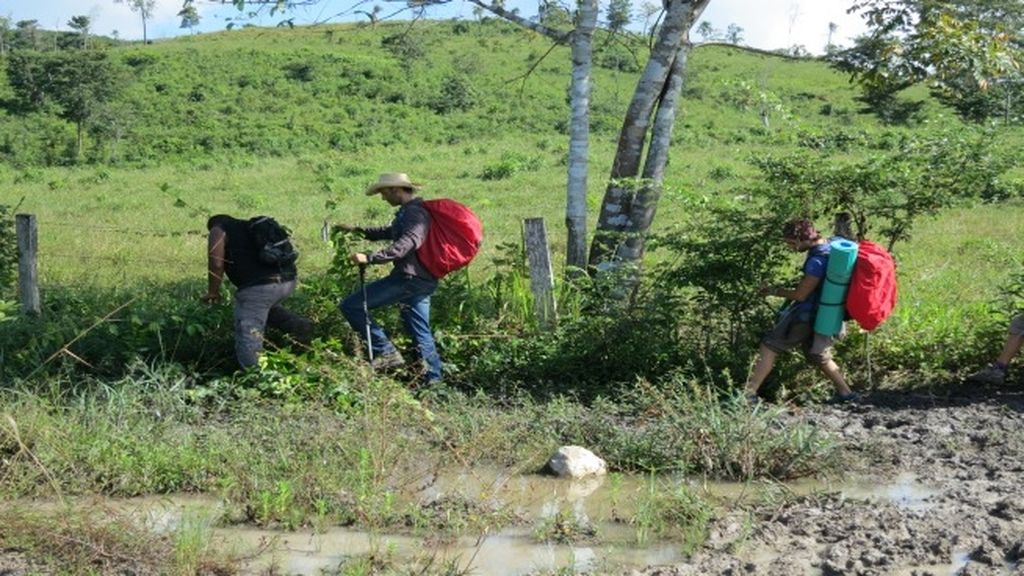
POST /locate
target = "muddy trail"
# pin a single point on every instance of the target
(965, 446)
(944, 496)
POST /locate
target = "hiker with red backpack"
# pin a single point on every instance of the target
(795, 326)
(409, 285)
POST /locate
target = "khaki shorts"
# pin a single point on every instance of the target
(1017, 325)
(791, 333)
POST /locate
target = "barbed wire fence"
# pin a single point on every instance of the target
(128, 256)
(127, 259)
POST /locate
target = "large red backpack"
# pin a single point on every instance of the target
(872, 293)
(453, 239)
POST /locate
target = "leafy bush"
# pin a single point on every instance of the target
(511, 163)
(8, 250)
(457, 95)
(618, 57)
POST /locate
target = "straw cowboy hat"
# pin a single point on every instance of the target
(391, 180)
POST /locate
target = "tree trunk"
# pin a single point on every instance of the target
(78, 156)
(579, 139)
(630, 203)
(645, 203)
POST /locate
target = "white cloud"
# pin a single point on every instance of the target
(771, 24)
(106, 16)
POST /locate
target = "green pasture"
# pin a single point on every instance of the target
(125, 385)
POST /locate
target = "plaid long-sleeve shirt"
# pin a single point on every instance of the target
(407, 232)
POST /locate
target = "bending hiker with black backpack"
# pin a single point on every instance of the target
(414, 232)
(259, 260)
(795, 326)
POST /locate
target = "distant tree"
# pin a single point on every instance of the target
(373, 15)
(5, 35)
(650, 9)
(145, 9)
(78, 83)
(734, 34)
(26, 35)
(618, 15)
(706, 31)
(189, 17)
(552, 14)
(829, 47)
(81, 24)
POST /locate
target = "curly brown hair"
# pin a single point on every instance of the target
(800, 229)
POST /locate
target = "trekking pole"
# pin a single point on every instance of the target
(366, 310)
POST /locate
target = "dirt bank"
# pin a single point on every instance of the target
(965, 448)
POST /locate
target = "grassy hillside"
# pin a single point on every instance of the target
(296, 123)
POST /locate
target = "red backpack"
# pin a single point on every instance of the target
(872, 293)
(453, 239)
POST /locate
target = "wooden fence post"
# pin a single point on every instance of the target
(542, 280)
(28, 248)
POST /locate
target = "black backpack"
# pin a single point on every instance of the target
(272, 241)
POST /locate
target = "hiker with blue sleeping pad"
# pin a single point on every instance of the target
(410, 284)
(259, 261)
(795, 326)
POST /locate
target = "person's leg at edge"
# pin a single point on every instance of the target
(383, 292)
(1010, 350)
(995, 373)
(251, 308)
(415, 313)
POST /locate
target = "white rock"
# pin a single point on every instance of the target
(576, 462)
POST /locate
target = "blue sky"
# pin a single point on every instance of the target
(767, 24)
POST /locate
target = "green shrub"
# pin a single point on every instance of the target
(511, 163)
(8, 250)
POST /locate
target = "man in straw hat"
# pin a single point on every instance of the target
(409, 285)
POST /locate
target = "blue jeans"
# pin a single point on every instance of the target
(412, 294)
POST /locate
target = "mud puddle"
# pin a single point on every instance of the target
(943, 495)
(608, 504)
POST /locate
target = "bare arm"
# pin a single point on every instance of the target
(216, 255)
(802, 291)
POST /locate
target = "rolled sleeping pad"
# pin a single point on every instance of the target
(832, 305)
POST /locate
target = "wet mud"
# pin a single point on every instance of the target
(960, 456)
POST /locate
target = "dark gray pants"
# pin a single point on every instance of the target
(259, 306)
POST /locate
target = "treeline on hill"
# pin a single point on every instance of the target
(255, 93)
(67, 97)
(282, 92)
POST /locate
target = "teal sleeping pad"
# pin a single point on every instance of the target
(832, 305)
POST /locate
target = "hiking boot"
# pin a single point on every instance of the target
(388, 361)
(851, 398)
(990, 375)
